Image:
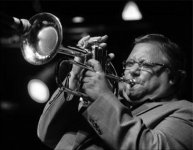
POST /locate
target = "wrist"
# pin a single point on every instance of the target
(73, 80)
(74, 76)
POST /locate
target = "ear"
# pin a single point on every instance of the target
(172, 78)
(177, 77)
(172, 82)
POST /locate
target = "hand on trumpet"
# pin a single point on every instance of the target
(85, 43)
(95, 83)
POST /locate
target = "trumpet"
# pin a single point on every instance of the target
(43, 41)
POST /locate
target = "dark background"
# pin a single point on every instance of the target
(19, 113)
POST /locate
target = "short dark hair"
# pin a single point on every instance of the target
(171, 50)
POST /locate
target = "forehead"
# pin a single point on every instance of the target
(149, 52)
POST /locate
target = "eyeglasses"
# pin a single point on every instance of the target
(143, 65)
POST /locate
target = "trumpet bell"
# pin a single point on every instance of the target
(40, 44)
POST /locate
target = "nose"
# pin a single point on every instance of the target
(134, 71)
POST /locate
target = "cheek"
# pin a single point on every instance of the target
(127, 74)
(151, 82)
(148, 79)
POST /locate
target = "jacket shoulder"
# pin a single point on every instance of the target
(183, 109)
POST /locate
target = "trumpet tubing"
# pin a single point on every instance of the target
(43, 41)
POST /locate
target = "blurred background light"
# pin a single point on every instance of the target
(38, 90)
(78, 19)
(131, 12)
(6, 105)
(42, 84)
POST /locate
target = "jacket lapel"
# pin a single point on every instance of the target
(146, 107)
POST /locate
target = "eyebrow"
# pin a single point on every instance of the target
(137, 60)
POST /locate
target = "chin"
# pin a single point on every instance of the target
(134, 95)
(136, 98)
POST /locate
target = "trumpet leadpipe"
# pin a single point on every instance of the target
(121, 79)
(73, 51)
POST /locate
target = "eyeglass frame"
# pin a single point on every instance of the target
(149, 65)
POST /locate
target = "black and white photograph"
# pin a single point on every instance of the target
(96, 75)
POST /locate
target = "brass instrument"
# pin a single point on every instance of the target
(43, 41)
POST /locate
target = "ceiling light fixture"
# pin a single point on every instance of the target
(131, 12)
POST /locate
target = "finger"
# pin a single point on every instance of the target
(104, 38)
(85, 85)
(89, 73)
(95, 64)
(94, 39)
(86, 80)
(103, 45)
(82, 42)
(98, 39)
(111, 56)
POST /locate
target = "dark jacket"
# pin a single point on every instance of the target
(108, 124)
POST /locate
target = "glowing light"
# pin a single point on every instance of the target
(77, 19)
(131, 12)
(38, 90)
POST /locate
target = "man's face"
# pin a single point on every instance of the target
(152, 80)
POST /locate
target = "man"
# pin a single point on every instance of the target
(147, 115)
